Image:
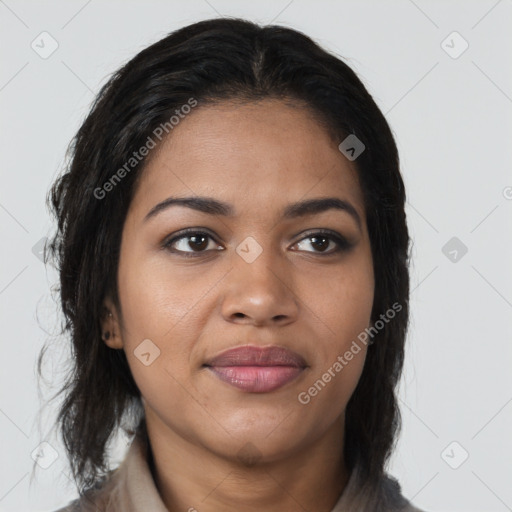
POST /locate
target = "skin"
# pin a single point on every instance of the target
(259, 157)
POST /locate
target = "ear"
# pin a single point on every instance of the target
(110, 330)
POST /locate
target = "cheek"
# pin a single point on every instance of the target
(149, 296)
(340, 355)
(162, 321)
(342, 302)
(157, 300)
(326, 395)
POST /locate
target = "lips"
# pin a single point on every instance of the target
(257, 369)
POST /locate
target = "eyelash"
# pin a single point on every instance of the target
(343, 244)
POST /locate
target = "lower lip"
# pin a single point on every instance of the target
(256, 379)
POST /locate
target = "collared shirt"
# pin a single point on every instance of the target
(131, 488)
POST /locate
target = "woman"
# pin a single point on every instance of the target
(233, 257)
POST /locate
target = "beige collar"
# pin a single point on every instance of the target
(131, 488)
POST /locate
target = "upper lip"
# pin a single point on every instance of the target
(251, 355)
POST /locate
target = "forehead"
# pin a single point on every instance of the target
(254, 155)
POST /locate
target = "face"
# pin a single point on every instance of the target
(293, 288)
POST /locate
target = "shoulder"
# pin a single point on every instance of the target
(117, 489)
(392, 495)
(73, 506)
(383, 494)
(96, 498)
(411, 508)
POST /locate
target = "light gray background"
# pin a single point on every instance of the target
(452, 121)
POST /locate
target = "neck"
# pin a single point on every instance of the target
(192, 478)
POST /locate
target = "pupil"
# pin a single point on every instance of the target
(194, 238)
(325, 243)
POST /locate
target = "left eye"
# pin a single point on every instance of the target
(323, 239)
(198, 242)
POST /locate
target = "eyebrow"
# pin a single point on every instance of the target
(292, 211)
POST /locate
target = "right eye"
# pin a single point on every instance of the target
(195, 241)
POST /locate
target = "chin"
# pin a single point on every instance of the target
(253, 437)
(252, 450)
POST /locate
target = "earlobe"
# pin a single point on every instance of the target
(110, 332)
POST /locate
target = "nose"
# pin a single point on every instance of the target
(260, 293)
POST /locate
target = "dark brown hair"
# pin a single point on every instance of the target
(215, 60)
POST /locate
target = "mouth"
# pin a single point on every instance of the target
(257, 369)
